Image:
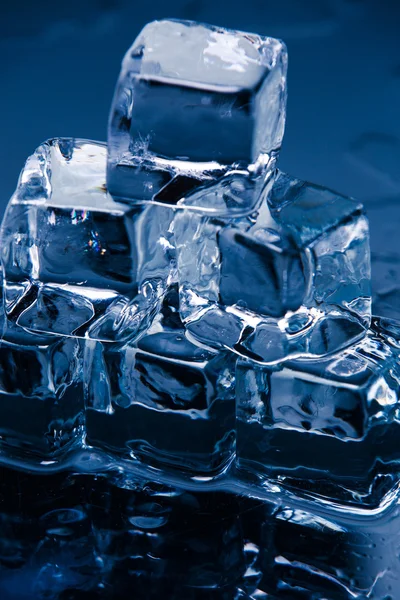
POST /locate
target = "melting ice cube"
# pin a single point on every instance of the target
(291, 279)
(330, 426)
(197, 110)
(41, 393)
(162, 400)
(76, 262)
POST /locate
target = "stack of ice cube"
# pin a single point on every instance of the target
(175, 299)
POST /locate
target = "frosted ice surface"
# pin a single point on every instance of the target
(194, 107)
(330, 425)
(292, 278)
(162, 400)
(76, 262)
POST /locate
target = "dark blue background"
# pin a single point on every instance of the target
(60, 61)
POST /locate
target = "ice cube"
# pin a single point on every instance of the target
(328, 426)
(162, 400)
(41, 393)
(198, 110)
(291, 279)
(76, 262)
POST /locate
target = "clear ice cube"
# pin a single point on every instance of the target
(291, 279)
(41, 393)
(198, 112)
(162, 400)
(329, 426)
(76, 262)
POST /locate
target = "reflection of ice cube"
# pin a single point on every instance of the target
(347, 554)
(292, 278)
(193, 104)
(162, 400)
(330, 424)
(41, 393)
(177, 544)
(76, 262)
(69, 537)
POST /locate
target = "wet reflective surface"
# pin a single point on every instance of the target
(84, 537)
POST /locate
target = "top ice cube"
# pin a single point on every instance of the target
(191, 101)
